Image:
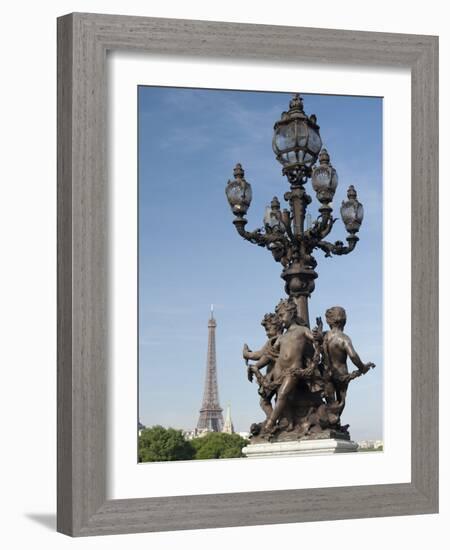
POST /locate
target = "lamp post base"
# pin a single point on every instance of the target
(300, 448)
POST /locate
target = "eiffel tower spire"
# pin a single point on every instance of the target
(211, 418)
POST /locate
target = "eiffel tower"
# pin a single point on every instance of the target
(211, 418)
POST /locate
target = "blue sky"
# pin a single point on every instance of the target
(191, 256)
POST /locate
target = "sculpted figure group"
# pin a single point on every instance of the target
(304, 386)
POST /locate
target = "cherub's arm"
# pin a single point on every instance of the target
(262, 357)
(354, 357)
(268, 353)
(254, 355)
(263, 362)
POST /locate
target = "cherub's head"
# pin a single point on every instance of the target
(336, 317)
(272, 324)
(288, 314)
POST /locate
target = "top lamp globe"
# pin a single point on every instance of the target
(296, 140)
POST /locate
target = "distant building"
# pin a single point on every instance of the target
(190, 434)
(371, 444)
(228, 427)
(140, 427)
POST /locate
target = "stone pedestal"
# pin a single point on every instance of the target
(300, 448)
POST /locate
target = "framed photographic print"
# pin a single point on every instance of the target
(182, 145)
(197, 257)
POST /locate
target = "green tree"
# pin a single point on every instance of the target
(158, 444)
(219, 445)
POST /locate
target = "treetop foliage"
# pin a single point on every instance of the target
(159, 444)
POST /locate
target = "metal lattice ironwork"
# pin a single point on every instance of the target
(211, 418)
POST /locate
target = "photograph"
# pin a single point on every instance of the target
(269, 350)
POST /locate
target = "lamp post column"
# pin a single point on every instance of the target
(300, 275)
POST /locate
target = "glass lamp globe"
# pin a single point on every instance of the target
(239, 192)
(296, 140)
(324, 178)
(272, 216)
(352, 211)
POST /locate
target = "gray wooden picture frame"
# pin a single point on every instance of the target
(83, 41)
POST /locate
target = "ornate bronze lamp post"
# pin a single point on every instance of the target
(297, 145)
(304, 388)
